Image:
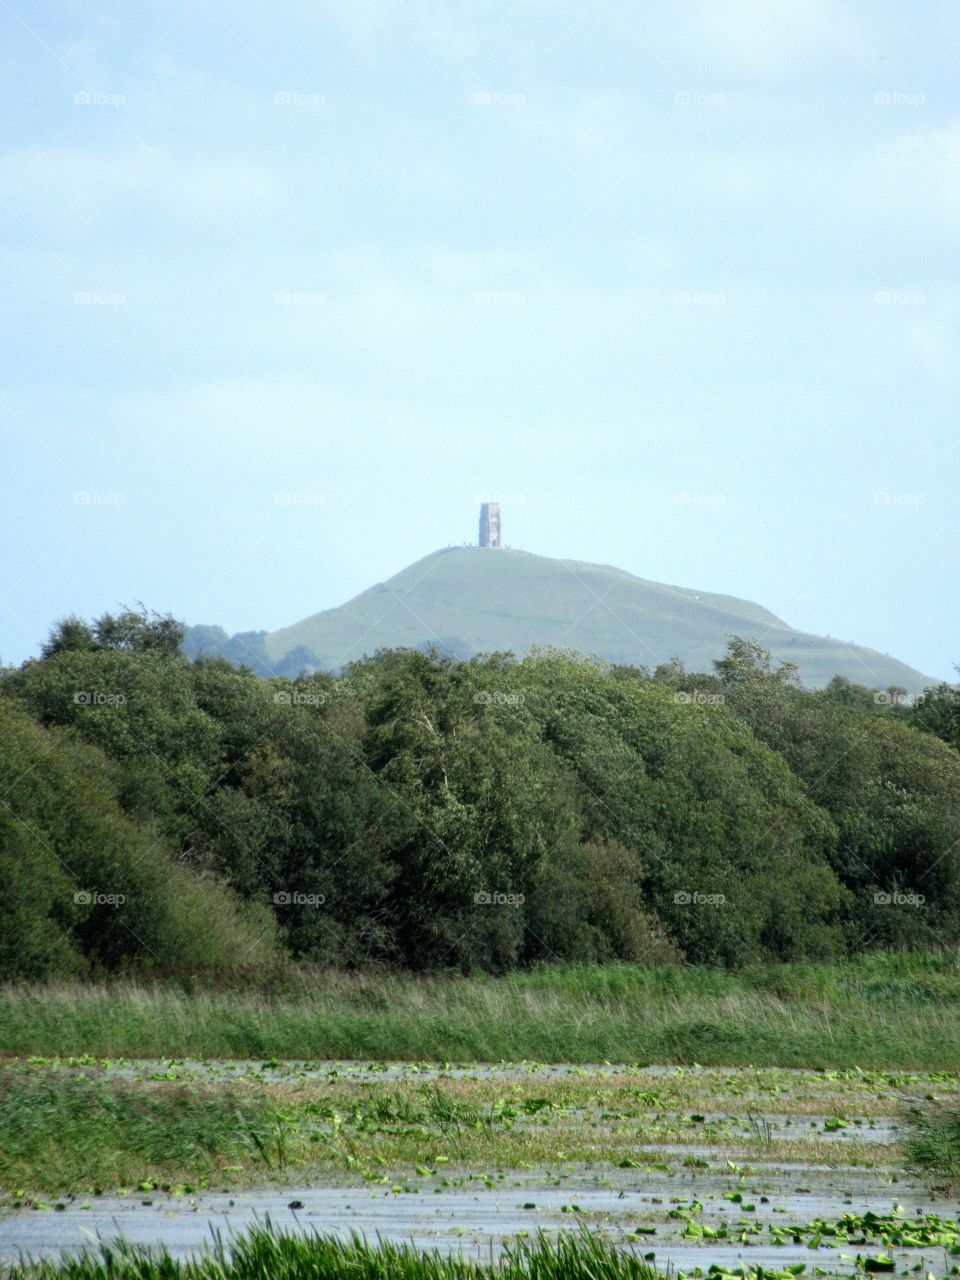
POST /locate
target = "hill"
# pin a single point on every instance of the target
(470, 599)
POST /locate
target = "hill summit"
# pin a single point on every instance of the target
(467, 600)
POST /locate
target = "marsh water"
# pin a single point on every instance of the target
(477, 1218)
(477, 1212)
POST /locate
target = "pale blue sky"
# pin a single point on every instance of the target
(290, 288)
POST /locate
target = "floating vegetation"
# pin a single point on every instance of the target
(927, 1230)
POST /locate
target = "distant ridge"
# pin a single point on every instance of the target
(468, 600)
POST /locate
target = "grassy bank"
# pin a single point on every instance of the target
(879, 1011)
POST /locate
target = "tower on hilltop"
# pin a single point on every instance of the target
(490, 524)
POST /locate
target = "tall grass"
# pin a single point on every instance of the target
(933, 1146)
(266, 1254)
(59, 1130)
(875, 1011)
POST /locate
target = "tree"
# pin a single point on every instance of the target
(69, 635)
(937, 711)
(140, 631)
(86, 889)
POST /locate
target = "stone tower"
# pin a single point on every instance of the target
(490, 524)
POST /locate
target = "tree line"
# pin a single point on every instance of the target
(175, 816)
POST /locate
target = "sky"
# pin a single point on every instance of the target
(290, 289)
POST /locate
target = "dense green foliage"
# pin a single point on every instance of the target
(938, 711)
(484, 814)
(82, 887)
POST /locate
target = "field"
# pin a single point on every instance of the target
(167, 1115)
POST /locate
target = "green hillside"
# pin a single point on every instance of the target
(475, 600)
